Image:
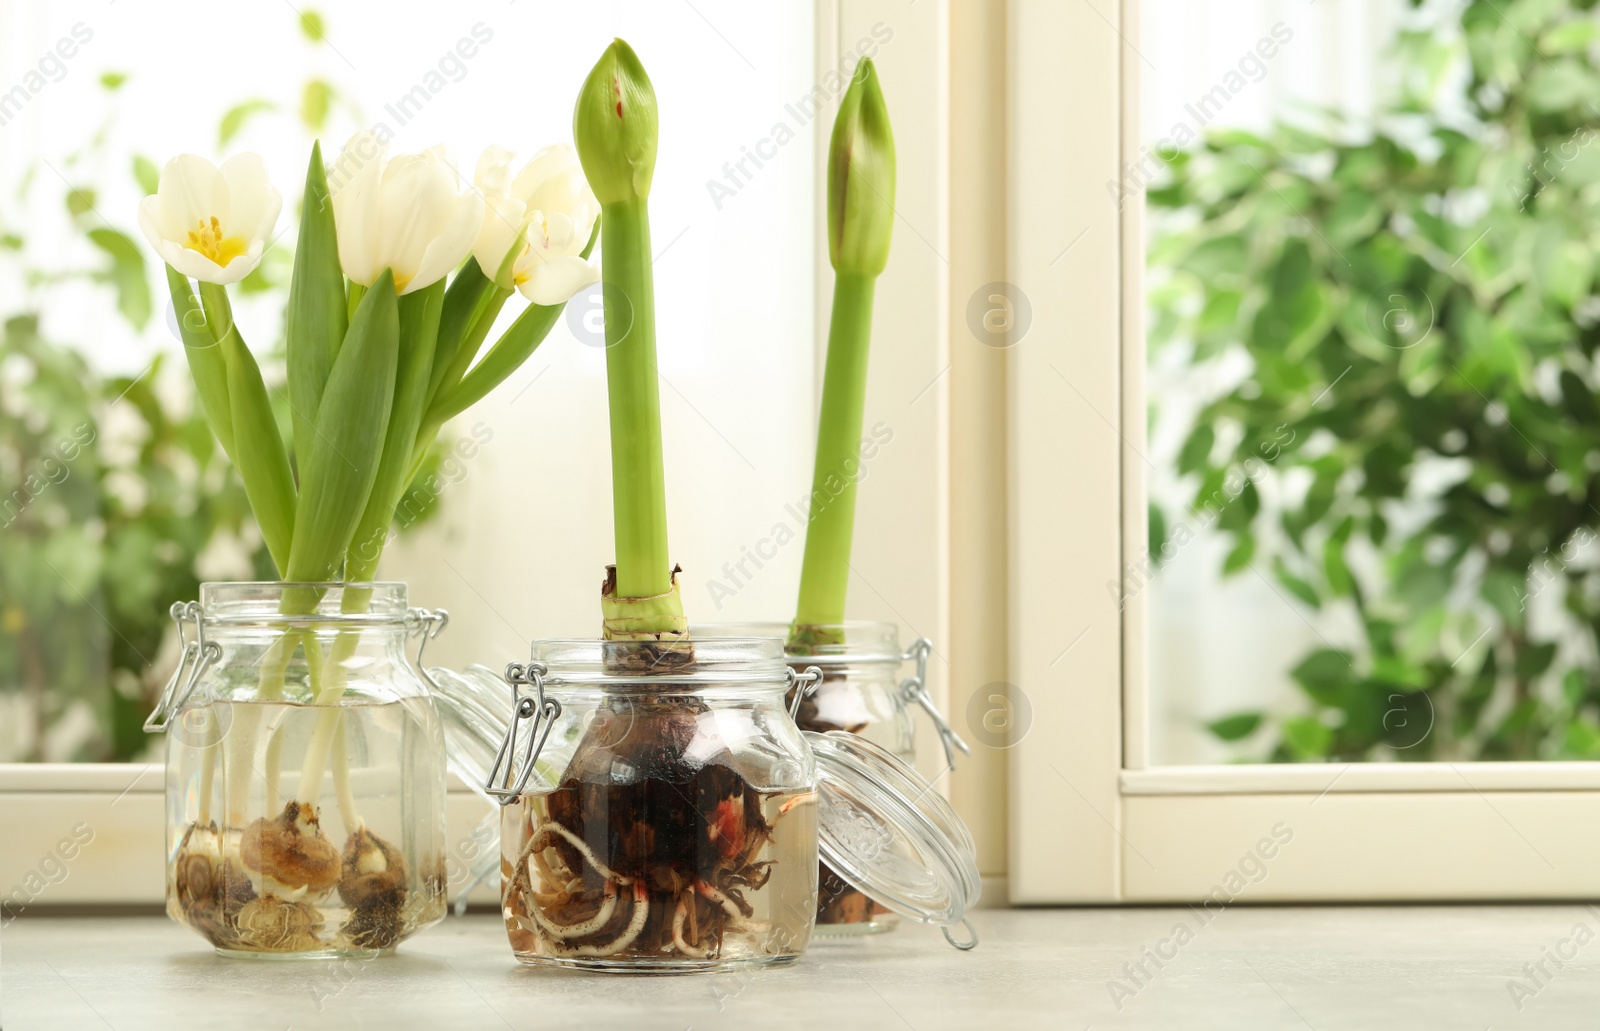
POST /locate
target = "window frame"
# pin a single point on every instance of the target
(1092, 821)
(120, 808)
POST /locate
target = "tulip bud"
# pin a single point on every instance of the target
(861, 178)
(614, 126)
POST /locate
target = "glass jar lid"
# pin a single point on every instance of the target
(883, 828)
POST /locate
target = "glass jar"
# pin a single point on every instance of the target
(861, 692)
(659, 808)
(305, 771)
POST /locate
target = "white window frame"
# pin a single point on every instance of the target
(120, 808)
(1092, 821)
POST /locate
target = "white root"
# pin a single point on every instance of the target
(341, 779)
(273, 760)
(641, 913)
(801, 799)
(519, 870)
(583, 928)
(588, 853)
(719, 898)
(691, 951)
(541, 841)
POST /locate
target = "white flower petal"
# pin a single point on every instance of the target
(450, 248)
(502, 219)
(189, 190)
(355, 185)
(192, 263)
(493, 174)
(200, 214)
(250, 197)
(555, 282)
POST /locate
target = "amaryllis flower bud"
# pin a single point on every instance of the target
(861, 178)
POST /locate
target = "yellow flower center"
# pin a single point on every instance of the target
(209, 241)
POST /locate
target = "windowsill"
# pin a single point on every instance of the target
(1249, 967)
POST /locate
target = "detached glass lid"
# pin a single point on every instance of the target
(884, 829)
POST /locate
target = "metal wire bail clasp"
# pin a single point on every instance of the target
(198, 655)
(426, 624)
(915, 689)
(508, 786)
(802, 684)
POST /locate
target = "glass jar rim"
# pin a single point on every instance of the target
(863, 640)
(590, 661)
(280, 603)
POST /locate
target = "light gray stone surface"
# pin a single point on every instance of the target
(1328, 969)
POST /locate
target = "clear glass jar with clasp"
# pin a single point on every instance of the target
(662, 811)
(305, 770)
(660, 808)
(863, 691)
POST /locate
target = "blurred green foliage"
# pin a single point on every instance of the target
(1415, 445)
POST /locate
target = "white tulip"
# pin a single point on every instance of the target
(551, 201)
(210, 223)
(407, 214)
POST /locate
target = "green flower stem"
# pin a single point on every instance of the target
(638, 482)
(825, 571)
(205, 358)
(463, 302)
(259, 454)
(419, 327)
(506, 356)
(861, 179)
(477, 329)
(357, 292)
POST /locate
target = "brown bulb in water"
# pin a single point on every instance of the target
(288, 853)
(373, 885)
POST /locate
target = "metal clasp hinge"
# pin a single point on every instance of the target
(426, 624)
(915, 689)
(508, 787)
(802, 685)
(198, 656)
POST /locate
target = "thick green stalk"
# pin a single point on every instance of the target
(638, 481)
(615, 124)
(861, 175)
(825, 572)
